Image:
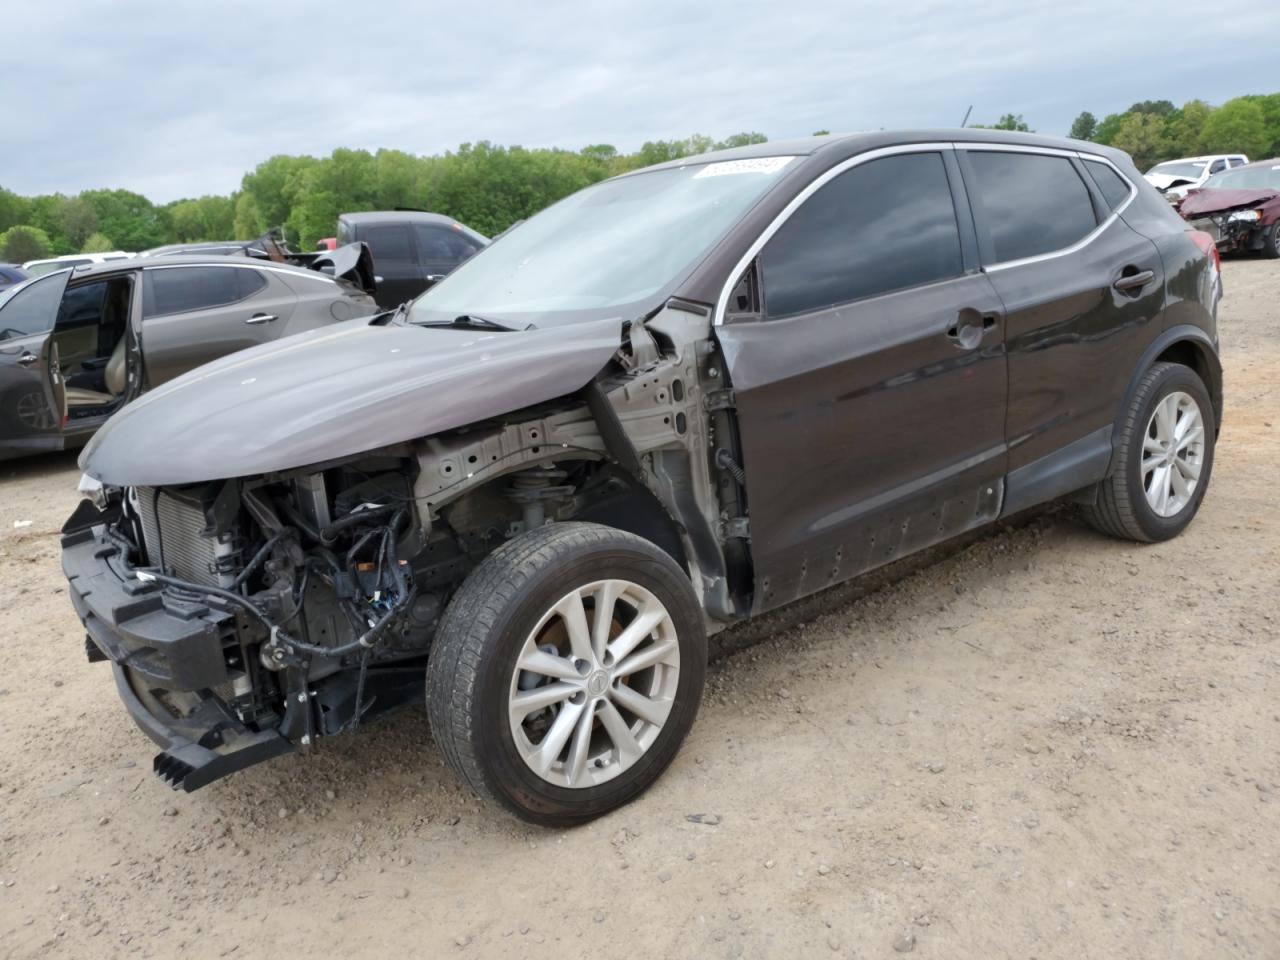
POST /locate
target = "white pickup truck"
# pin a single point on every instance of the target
(1175, 178)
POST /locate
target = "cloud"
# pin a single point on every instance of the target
(180, 99)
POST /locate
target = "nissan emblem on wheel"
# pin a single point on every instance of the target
(527, 497)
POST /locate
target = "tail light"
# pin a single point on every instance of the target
(1207, 245)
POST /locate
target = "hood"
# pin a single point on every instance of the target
(1162, 181)
(338, 391)
(1212, 201)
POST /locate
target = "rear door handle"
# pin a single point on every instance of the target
(262, 318)
(27, 359)
(1134, 281)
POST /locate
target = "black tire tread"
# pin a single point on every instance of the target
(1113, 511)
(453, 671)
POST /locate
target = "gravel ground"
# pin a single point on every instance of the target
(1047, 744)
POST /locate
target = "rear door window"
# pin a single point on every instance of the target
(881, 226)
(1028, 204)
(389, 242)
(184, 289)
(1115, 188)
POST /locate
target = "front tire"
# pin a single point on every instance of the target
(567, 671)
(1163, 459)
(1271, 242)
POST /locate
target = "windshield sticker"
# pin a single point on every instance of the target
(755, 165)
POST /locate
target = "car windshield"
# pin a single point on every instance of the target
(1247, 178)
(605, 250)
(1179, 168)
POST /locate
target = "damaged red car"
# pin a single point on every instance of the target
(1239, 208)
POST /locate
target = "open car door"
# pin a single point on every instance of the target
(32, 394)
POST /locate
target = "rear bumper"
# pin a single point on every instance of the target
(168, 658)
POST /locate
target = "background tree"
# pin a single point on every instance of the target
(74, 220)
(1237, 125)
(1108, 128)
(1141, 135)
(1184, 129)
(204, 218)
(22, 243)
(1270, 106)
(98, 243)
(13, 209)
(1009, 121)
(1154, 108)
(130, 218)
(1084, 126)
(741, 140)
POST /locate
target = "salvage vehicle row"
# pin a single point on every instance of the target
(77, 344)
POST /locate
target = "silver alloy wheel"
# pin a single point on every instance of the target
(1173, 453)
(594, 683)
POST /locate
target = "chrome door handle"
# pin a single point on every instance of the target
(262, 318)
(27, 359)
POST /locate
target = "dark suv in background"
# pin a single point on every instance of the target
(674, 400)
(411, 249)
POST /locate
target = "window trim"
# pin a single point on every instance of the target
(932, 146)
(296, 272)
(966, 249)
(753, 251)
(1079, 155)
(200, 266)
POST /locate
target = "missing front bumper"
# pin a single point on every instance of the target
(207, 744)
(167, 659)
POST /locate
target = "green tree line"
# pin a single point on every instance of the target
(489, 187)
(486, 186)
(1155, 130)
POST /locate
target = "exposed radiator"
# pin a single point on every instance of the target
(171, 528)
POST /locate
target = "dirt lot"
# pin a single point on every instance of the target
(1047, 745)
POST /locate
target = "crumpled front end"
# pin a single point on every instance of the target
(1236, 230)
(239, 627)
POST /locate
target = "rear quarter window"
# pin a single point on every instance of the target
(1115, 188)
(1028, 204)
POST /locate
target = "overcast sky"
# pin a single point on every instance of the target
(181, 98)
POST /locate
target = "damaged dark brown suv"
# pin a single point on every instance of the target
(675, 400)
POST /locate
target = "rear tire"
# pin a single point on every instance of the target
(543, 708)
(1162, 465)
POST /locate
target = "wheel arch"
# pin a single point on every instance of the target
(618, 499)
(1189, 346)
